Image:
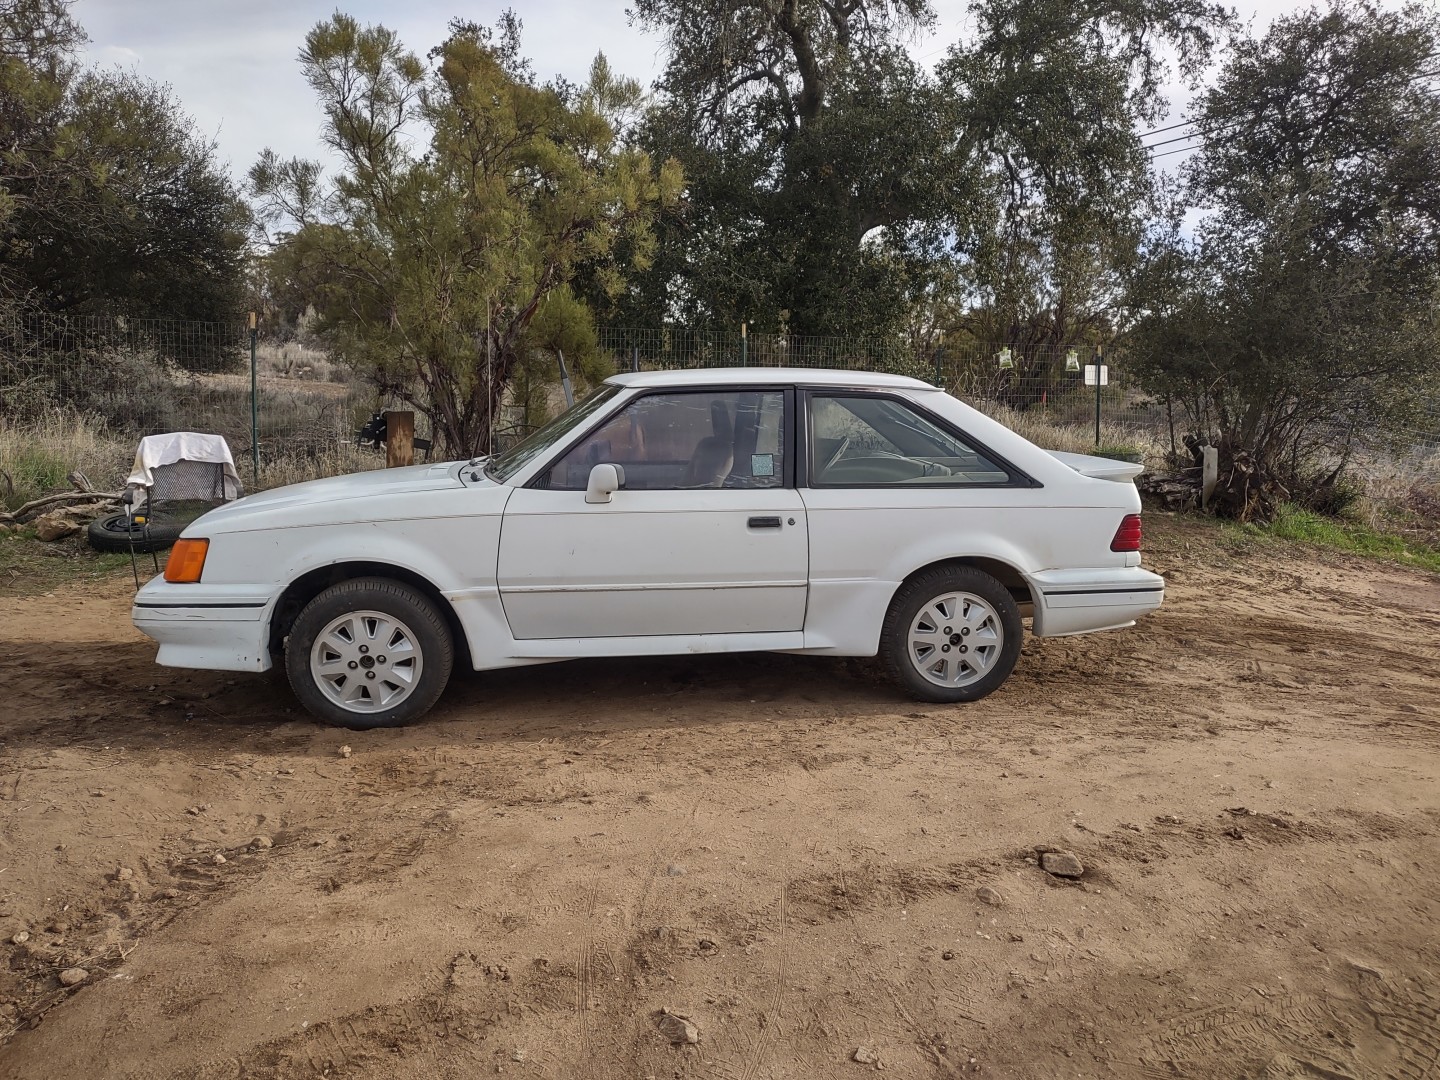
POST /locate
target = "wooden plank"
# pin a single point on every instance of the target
(399, 439)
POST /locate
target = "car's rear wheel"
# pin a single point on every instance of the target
(952, 634)
(369, 653)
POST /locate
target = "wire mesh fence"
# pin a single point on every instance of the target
(142, 377)
(146, 376)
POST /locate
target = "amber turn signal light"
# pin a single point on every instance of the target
(187, 560)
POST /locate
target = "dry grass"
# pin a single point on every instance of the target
(296, 361)
(1401, 493)
(36, 457)
(294, 468)
(1033, 425)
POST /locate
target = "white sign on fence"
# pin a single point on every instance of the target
(1090, 374)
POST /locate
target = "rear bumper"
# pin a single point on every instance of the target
(1080, 601)
(220, 628)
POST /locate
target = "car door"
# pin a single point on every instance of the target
(891, 487)
(707, 534)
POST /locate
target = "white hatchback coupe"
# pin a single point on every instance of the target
(827, 512)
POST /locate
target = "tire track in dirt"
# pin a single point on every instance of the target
(585, 980)
(1413, 1020)
(770, 1019)
(1239, 1031)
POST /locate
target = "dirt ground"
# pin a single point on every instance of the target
(780, 849)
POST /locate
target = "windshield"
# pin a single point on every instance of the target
(503, 466)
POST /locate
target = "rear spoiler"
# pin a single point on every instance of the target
(1122, 472)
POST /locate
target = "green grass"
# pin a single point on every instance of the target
(1306, 527)
(36, 456)
(32, 471)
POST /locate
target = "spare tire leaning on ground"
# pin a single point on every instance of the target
(114, 532)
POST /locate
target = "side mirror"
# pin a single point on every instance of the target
(605, 480)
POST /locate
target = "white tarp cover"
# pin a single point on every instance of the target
(157, 450)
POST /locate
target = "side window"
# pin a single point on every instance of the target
(670, 442)
(859, 440)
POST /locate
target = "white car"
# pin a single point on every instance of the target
(826, 512)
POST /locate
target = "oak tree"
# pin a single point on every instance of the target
(1301, 316)
(833, 177)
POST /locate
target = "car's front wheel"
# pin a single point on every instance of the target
(952, 634)
(369, 653)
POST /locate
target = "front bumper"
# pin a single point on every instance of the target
(1103, 598)
(217, 627)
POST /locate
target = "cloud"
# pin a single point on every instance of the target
(232, 63)
(112, 55)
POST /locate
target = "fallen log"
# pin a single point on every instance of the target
(1244, 490)
(1171, 492)
(36, 507)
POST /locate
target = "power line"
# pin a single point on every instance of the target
(1181, 150)
(1179, 138)
(1172, 127)
(1199, 131)
(1231, 127)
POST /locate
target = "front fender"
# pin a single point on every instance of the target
(453, 554)
(456, 555)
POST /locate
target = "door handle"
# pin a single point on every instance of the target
(764, 523)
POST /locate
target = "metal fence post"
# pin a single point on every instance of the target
(1099, 367)
(744, 347)
(254, 403)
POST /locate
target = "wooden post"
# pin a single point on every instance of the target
(399, 439)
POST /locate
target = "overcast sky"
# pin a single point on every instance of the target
(232, 63)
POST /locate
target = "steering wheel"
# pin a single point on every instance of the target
(835, 456)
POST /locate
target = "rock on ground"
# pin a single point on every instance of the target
(677, 1029)
(50, 527)
(1061, 863)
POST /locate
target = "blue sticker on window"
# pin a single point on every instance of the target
(762, 464)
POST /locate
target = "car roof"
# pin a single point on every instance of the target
(751, 376)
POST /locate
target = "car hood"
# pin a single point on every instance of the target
(286, 501)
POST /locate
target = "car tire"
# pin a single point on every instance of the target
(952, 634)
(369, 653)
(115, 532)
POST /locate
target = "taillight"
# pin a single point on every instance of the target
(1127, 536)
(187, 560)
